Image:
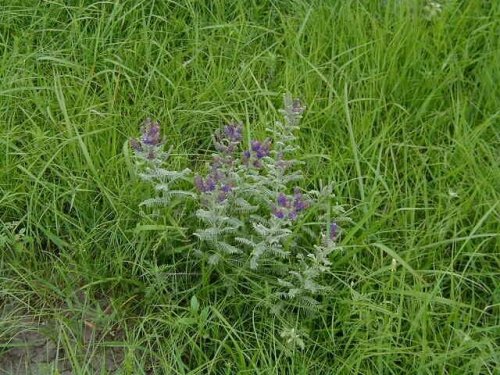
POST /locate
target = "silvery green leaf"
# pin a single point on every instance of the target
(245, 241)
(155, 202)
(230, 249)
(195, 305)
(213, 259)
(279, 252)
(254, 263)
(311, 286)
(233, 222)
(244, 206)
(170, 193)
(209, 234)
(285, 283)
(208, 216)
(308, 301)
(260, 229)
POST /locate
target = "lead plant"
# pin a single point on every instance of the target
(151, 158)
(250, 207)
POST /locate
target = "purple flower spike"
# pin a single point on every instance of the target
(224, 192)
(233, 132)
(210, 184)
(204, 186)
(151, 133)
(227, 139)
(333, 231)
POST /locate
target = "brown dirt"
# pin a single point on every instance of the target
(31, 352)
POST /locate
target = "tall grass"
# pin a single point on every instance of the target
(403, 115)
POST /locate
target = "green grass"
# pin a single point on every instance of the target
(402, 113)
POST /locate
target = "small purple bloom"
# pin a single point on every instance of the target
(333, 231)
(258, 150)
(255, 145)
(226, 188)
(227, 139)
(264, 149)
(210, 184)
(233, 132)
(282, 200)
(292, 215)
(246, 157)
(278, 213)
(261, 149)
(205, 186)
(300, 205)
(262, 153)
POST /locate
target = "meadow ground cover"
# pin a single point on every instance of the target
(402, 116)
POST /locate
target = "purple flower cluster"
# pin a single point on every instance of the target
(151, 133)
(205, 185)
(218, 182)
(290, 207)
(258, 151)
(150, 141)
(228, 138)
(233, 132)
